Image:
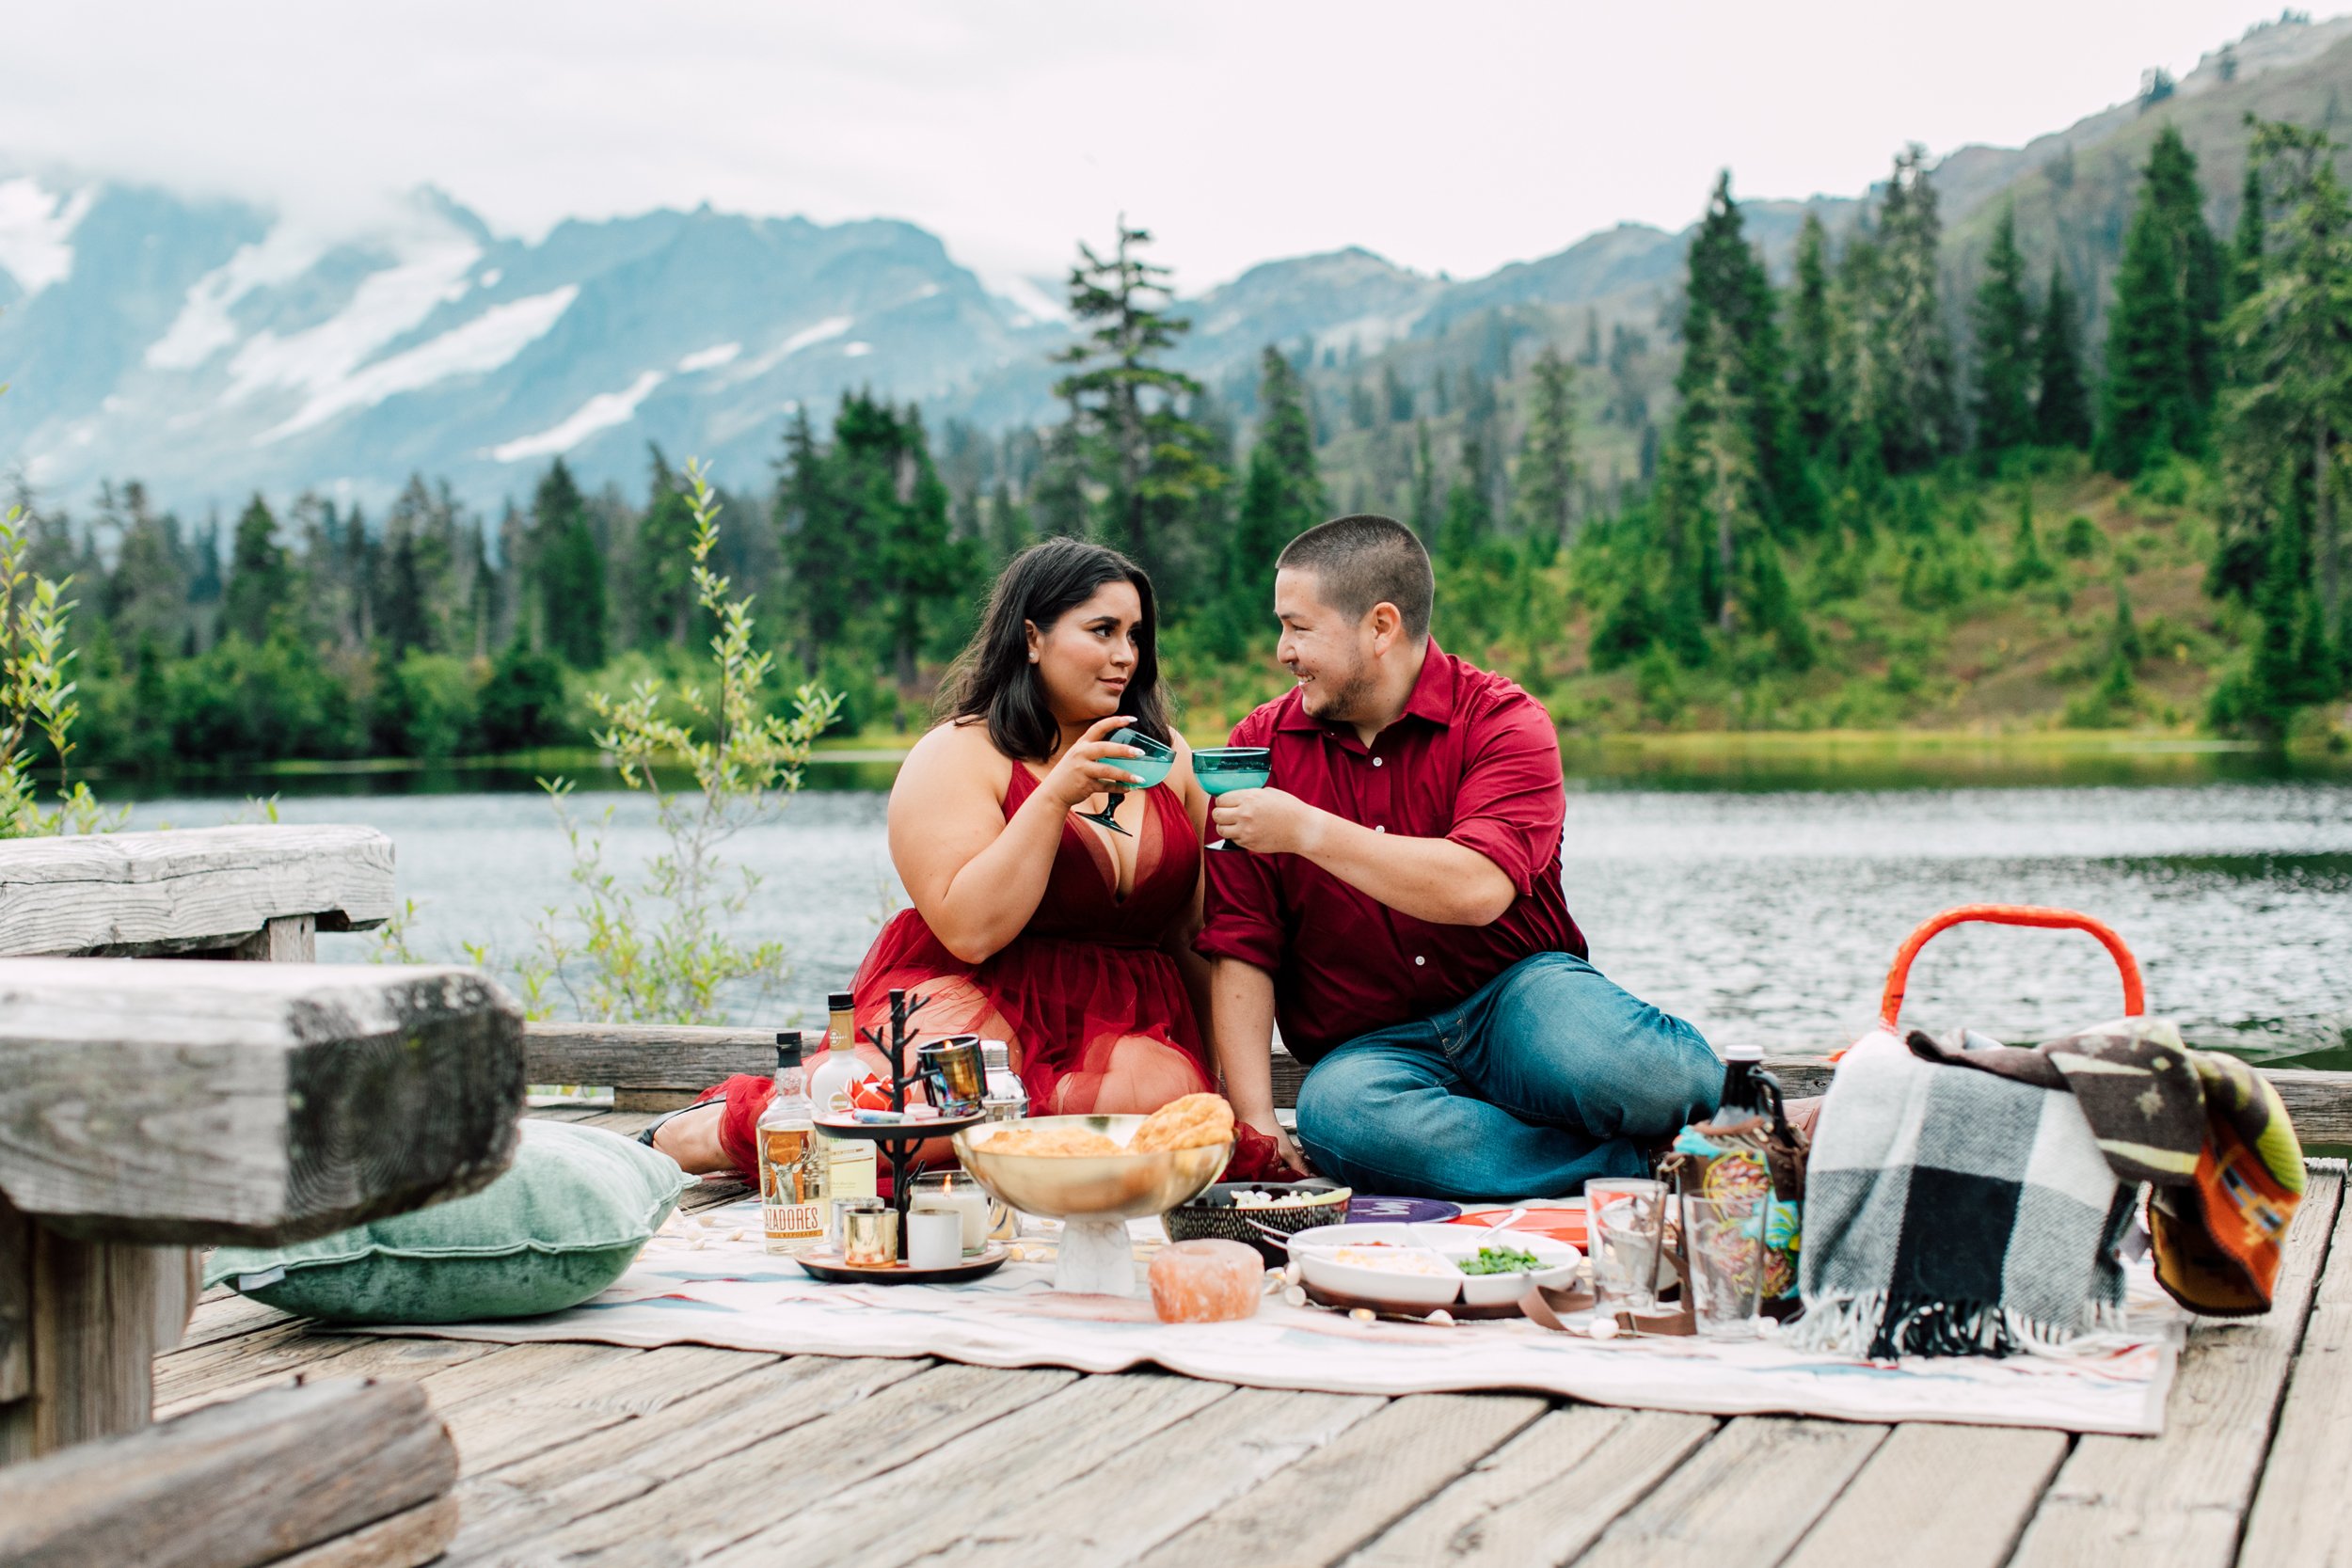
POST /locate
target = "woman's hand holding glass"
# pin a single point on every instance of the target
(1091, 766)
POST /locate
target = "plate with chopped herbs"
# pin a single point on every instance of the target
(1418, 1267)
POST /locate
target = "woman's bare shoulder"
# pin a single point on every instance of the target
(957, 750)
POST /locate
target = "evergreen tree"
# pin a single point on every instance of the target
(260, 578)
(1424, 515)
(1731, 338)
(1811, 332)
(1282, 497)
(1059, 500)
(2198, 275)
(2283, 424)
(1008, 532)
(2144, 406)
(1470, 517)
(1920, 412)
(2246, 245)
(1547, 473)
(662, 574)
(2003, 321)
(571, 570)
(1396, 396)
(2061, 406)
(819, 555)
(1128, 403)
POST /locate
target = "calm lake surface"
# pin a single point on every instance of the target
(1763, 904)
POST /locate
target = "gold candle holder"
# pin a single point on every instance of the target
(869, 1233)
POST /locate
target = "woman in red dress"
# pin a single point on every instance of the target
(1070, 942)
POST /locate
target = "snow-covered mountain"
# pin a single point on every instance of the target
(211, 348)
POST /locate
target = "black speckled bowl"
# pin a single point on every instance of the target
(1213, 1216)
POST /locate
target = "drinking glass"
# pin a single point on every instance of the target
(1725, 1239)
(1223, 768)
(1626, 1218)
(1149, 769)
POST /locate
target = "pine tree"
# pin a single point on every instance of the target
(1008, 532)
(1547, 474)
(1731, 335)
(1811, 332)
(2003, 323)
(661, 579)
(818, 557)
(570, 571)
(2144, 402)
(1920, 420)
(2061, 404)
(2282, 426)
(2200, 277)
(1282, 497)
(260, 578)
(1128, 403)
(1424, 515)
(2245, 244)
(1058, 502)
(1470, 517)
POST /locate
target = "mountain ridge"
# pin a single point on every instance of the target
(212, 347)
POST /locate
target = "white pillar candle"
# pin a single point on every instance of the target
(963, 1199)
(934, 1238)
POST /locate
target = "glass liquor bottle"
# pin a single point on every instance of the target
(849, 1163)
(792, 1205)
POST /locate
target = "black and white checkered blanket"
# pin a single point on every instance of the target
(1950, 1212)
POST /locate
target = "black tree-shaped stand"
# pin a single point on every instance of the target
(898, 1142)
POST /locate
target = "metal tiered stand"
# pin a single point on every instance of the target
(896, 1142)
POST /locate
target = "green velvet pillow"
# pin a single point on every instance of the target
(563, 1222)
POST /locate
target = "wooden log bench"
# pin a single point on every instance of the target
(150, 1106)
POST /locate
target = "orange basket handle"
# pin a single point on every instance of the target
(1898, 977)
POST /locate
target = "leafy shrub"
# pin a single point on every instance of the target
(2082, 538)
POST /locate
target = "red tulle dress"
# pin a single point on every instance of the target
(1093, 1008)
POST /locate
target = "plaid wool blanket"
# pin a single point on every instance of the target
(1955, 1213)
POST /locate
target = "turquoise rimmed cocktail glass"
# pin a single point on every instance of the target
(1223, 768)
(1149, 769)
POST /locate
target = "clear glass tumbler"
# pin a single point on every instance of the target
(1725, 1239)
(1626, 1219)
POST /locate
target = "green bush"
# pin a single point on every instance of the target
(427, 705)
(523, 702)
(2082, 538)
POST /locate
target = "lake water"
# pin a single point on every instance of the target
(1760, 913)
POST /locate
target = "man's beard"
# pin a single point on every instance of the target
(1343, 702)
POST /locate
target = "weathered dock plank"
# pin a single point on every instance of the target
(1545, 1495)
(2180, 1500)
(2302, 1513)
(1956, 1496)
(1747, 1495)
(233, 1485)
(1378, 1470)
(187, 890)
(1115, 1511)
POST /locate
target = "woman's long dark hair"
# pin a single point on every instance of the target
(993, 677)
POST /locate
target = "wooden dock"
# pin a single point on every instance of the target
(597, 1454)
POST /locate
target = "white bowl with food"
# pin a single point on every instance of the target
(1420, 1268)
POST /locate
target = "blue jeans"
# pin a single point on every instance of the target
(1548, 1075)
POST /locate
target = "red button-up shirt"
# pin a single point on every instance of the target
(1473, 759)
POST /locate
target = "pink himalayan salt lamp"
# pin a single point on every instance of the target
(1206, 1282)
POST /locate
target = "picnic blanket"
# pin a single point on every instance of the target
(708, 1280)
(1953, 1214)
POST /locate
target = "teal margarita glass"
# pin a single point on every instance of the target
(1224, 769)
(1149, 769)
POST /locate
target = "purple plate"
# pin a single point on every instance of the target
(1400, 1210)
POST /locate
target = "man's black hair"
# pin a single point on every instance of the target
(1365, 559)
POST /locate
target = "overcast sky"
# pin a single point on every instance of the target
(1443, 135)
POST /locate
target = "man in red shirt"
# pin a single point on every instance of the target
(1400, 912)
